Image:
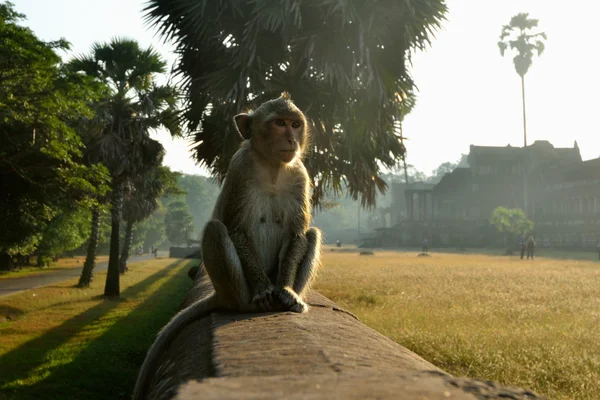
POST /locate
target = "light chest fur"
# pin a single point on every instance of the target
(269, 216)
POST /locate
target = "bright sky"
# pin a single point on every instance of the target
(468, 93)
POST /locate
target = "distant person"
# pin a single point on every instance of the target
(530, 247)
(598, 249)
(425, 245)
(522, 245)
(338, 244)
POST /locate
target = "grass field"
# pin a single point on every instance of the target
(67, 262)
(534, 324)
(60, 342)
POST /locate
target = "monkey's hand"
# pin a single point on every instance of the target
(290, 301)
(264, 299)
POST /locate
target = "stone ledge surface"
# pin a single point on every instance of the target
(410, 385)
(323, 354)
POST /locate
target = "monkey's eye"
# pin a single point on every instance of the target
(279, 122)
(296, 124)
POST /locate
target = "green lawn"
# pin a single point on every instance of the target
(63, 263)
(60, 342)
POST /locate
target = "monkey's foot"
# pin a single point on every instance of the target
(264, 299)
(290, 301)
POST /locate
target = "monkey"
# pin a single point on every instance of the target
(258, 249)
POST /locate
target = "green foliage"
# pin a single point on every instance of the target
(178, 222)
(151, 232)
(41, 158)
(133, 104)
(512, 221)
(144, 191)
(200, 195)
(344, 63)
(68, 230)
(516, 36)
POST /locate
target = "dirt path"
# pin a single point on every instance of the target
(15, 285)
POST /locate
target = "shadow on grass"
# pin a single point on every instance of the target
(107, 366)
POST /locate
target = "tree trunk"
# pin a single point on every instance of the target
(525, 161)
(524, 114)
(5, 261)
(126, 247)
(112, 289)
(90, 260)
(40, 260)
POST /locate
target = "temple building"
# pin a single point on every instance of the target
(562, 198)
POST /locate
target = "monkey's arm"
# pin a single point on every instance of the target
(257, 278)
(287, 274)
(298, 243)
(292, 258)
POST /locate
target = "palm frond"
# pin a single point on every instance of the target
(343, 61)
(517, 36)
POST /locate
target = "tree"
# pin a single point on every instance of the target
(443, 169)
(134, 105)
(68, 230)
(343, 62)
(142, 199)
(41, 166)
(178, 222)
(513, 222)
(201, 196)
(516, 36)
(151, 232)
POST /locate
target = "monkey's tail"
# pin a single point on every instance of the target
(164, 338)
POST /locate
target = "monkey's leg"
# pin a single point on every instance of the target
(290, 289)
(308, 268)
(223, 265)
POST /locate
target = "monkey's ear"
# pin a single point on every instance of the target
(243, 122)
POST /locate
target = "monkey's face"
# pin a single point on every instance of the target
(277, 130)
(284, 138)
(281, 139)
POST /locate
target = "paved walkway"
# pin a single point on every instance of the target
(15, 285)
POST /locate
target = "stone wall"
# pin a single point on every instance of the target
(326, 353)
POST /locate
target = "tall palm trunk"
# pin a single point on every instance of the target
(126, 247)
(112, 287)
(90, 260)
(524, 146)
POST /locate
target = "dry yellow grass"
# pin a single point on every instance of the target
(528, 323)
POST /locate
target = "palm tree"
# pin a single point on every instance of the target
(517, 36)
(135, 104)
(142, 199)
(406, 106)
(343, 61)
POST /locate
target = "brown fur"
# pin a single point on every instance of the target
(258, 249)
